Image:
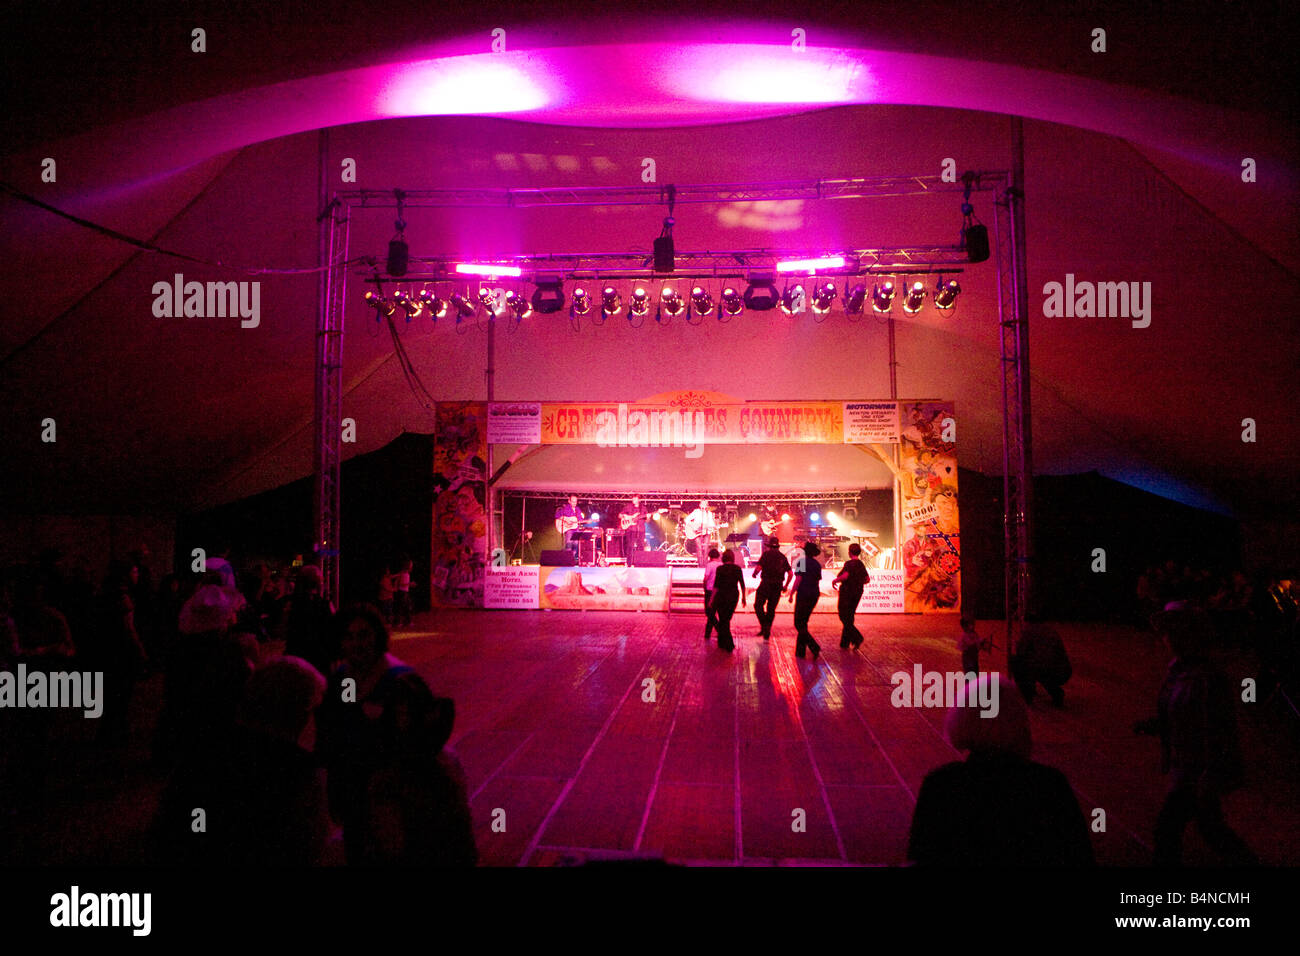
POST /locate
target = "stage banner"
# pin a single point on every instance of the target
(870, 423)
(459, 519)
(512, 587)
(883, 593)
(679, 419)
(931, 530)
(514, 423)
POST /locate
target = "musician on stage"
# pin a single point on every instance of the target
(701, 526)
(567, 519)
(632, 521)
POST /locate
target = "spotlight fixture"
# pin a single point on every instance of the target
(731, 302)
(611, 303)
(435, 306)
(548, 297)
(488, 299)
(702, 301)
(640, 303)
(464, 307)
(410, 306)
(856, 299)
(882, 296)
(914, 298)
(945, 294)
(823, 298)
(793, 300)
(518, 305)
(381, 305)
(581, 302)
(761, 296)
(670, 301)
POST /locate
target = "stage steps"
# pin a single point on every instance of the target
(686, 590)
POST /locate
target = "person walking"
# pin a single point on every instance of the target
(804, 597)
(728, 585)
(775, 575)
(710, 617)
(850, 583)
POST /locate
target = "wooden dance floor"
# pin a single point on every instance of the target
(571, 764)
(563, 752)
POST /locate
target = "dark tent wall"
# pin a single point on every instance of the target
(387, 511)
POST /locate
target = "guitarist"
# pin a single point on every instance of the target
(632, 521)
(701, 526)
(567, 519)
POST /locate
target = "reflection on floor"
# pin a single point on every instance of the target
(596, 734)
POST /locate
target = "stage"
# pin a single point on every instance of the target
(677, 589)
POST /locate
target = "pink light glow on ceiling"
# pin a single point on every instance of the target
(487, 83)
(753, 73)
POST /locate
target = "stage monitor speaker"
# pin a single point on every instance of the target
(648, 559)
(977, 243)
(563, 558)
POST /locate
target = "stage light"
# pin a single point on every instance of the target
(381, 305)
(823, 298)
(882, 296)
(640, 303)
(731, 301)
(856, 300)
(435, 306)
(611, 303)
(517, 304)
(914, 298)
(595, 516)
(671, 302)
(406, 304)
(487, 298)
(785, 517)
(830, 516)
(752, 516)
(464, 307)
(945, 294)
(814, 517)
(793, 300)
(810, 265)
(478, 269)
(702, 301)
(548, 297)
(581, 302)
(761, 295)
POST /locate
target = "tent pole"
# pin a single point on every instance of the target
(489, 486)
(897, 559)
(332, 232)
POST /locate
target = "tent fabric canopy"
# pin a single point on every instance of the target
(1124, 184)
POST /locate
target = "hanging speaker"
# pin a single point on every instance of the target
(977, 243)
(398, 254)
(664, 254)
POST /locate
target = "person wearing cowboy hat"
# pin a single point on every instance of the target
(804, 597)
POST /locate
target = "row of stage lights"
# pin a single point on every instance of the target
(760, 296)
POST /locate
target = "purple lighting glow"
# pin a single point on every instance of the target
(753, 73)
(477, 269)
(810, 265)
(484, 83)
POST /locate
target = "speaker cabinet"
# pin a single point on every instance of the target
(648, 559)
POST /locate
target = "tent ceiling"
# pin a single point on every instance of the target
(1124, 184)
